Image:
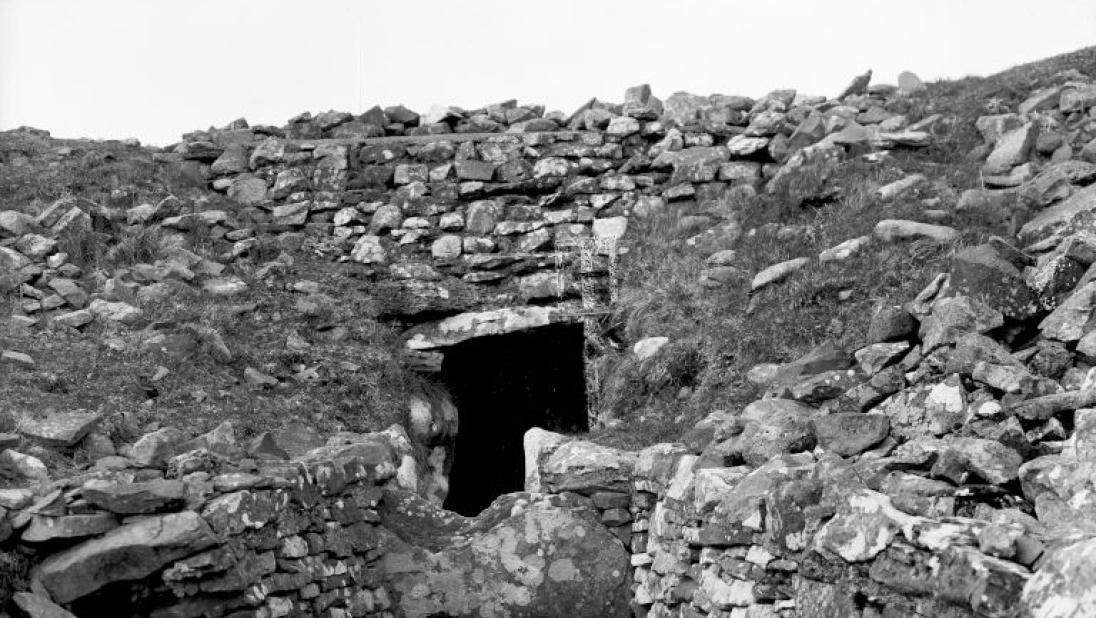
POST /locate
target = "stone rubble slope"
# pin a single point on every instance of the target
(944, 469)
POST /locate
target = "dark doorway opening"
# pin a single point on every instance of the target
(503, 385)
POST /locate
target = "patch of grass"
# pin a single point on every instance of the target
(36, 170)
(731, 330)
(728, 329)
(94, 250)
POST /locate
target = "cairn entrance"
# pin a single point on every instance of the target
(502, 386)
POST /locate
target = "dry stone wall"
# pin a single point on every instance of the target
(455, 215)
(801, 535)
(212, 531)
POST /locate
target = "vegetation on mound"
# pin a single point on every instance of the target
(341, 373)
(723, 332)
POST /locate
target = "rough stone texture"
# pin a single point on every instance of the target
(894, 230)
(541, 560)
(983, 275)
(1012, 149)
(1065, 585)
(973, 457)
(850, 433)
(37, 606)
(60, 428)
(1062, 216)
(777, 272)
(127, 553)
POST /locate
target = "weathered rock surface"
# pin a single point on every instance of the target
(538, 559)
(127, 553)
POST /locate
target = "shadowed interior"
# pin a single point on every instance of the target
(502, 386)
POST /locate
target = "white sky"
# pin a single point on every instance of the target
(154, 69)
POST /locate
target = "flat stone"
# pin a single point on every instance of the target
(895, 230)
(876, 357)
(11, 260)
(23, 467)
(134, 498)
(256, 378)
(777, 273)
(155, 448)
(622, 126)
(224, 286)
(35, 246)
(1012, 149)
(37, 606)
(889, 323)
(584, 467)
(60, 428)
(298, 438)
(20, 359)
(1063, 216)
(742, 146)
(697, 164)
(14, 499)
(464, 326)
(75, 319)
(844, 250)
(43, 528)
(850, 433)
(953, 317)
(897, 188)
(15, 223)
(70, 291)
(128, 553)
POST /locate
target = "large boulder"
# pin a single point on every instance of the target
(549, 557)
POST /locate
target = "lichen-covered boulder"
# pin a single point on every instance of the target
(981, 273)
(1065, 584)
(541, 559)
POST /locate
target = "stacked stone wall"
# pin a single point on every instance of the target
(212, 532)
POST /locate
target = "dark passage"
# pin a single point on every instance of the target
(502, 386)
